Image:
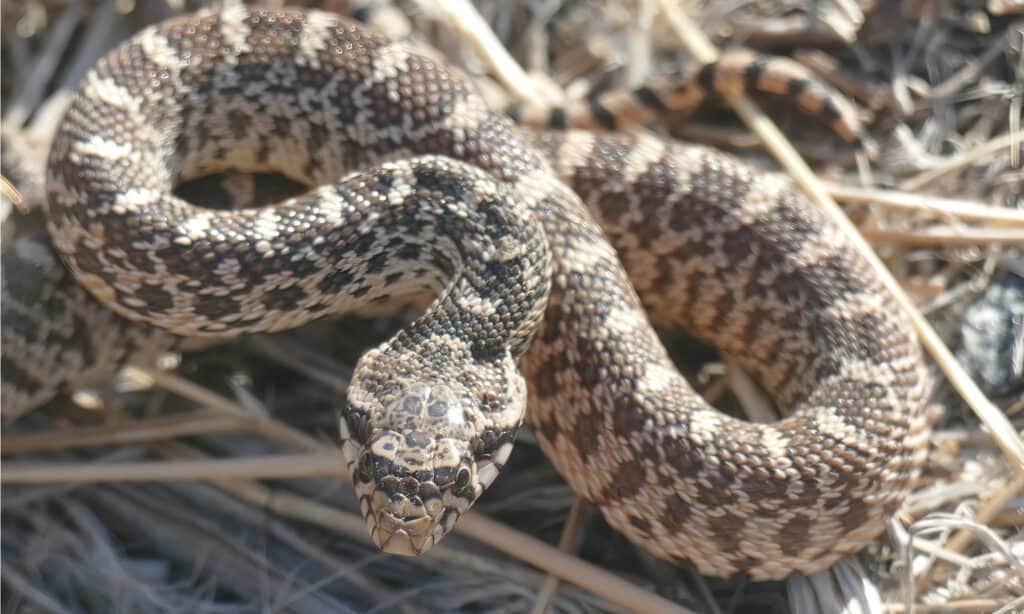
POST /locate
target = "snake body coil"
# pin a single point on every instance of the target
(454, 199)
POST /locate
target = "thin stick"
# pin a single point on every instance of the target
(1000, 428)
(963, 605)
(956, 163)
(941, 207)
(321, 464)
(988, 511)
(970, 71)
(12, 194)
(154, 429)
(929, 547)
(565, 544)
(947, 236)
(756, 405)
(463, 17)
(325, 461)
(297, 507)
(274, 466)
(182, 387)
(541, 555)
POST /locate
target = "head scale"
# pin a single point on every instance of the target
(420, 463)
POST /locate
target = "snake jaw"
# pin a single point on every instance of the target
(397, 535)
(407, 512)
(412, 487)
(419, 462)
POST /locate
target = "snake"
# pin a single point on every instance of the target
(546, 258)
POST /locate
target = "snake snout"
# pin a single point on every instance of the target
(404, 536)
(421, 462)
(412, 488)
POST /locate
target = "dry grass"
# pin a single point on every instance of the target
(215, 487)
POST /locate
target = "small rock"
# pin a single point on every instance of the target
(993, 336)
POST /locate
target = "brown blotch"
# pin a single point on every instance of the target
(216, 307)
(808, 497)
(640, 524)
(720, 494)
(283, 298)
(855, 517)
(794, 535)
(628, 481)
(678, 453)
(628, 415)
(544, 384)
(728, 530)
(677, 513)
(586, 435)
(157, 299)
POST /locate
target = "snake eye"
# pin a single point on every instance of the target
(461, 481)
(365, 469)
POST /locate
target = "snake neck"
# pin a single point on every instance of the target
(432, 413)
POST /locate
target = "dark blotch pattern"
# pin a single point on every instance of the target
(600, 408)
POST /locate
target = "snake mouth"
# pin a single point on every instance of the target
(407, 536)
(414, 485)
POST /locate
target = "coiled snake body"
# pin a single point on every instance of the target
(456, 200)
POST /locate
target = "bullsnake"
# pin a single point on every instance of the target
(520, 236)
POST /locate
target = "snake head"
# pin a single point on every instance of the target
(419, 464)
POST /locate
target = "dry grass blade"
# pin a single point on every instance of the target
(318, 464)
(934, 205)
(464, 18)
(566, 543)
(327, 462)
(565, 566)
(756, 405)
(8, 191)
(947, 236)
(958, 163)
(994, 504)
(1001, 429)
(183, 387)
(314, 464)
(965, 606)
(939, 523)
(119, 434)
